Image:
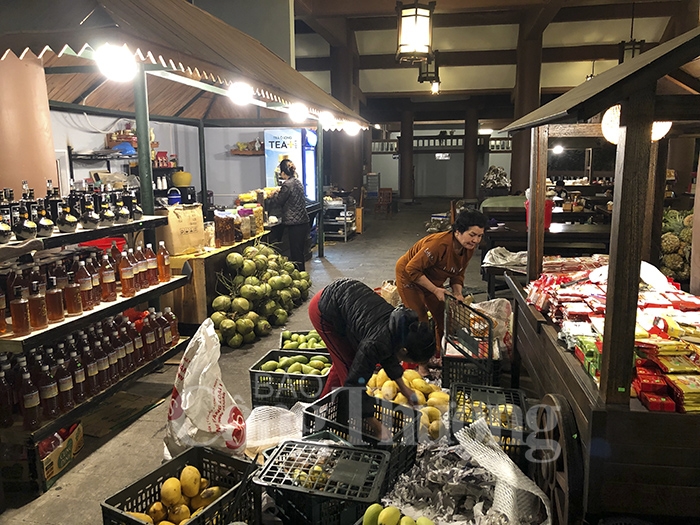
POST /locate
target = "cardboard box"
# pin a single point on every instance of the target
(359, 222)
(17, 472)
(57, 461)
(184, 233)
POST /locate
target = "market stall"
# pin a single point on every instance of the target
(606, 453)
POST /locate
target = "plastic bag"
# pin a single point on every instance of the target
(267, 426)
(390, 293)
(202, 412)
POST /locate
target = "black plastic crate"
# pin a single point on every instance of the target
(343, 405)
(319, 484)
(318, 436)
(220, 469)
(276, 388)
(470, 332)
(504, 410)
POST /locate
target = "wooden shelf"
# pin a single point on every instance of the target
(58, 240)
(247, 153)
(70, 324)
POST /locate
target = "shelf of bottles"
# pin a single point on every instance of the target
(11, 343)
(51, 413)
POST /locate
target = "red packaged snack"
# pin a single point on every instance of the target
(647, 371)
(652, 384)
(657, 403)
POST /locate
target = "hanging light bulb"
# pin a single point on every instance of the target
(327, 120)
(241, 93)
(116, 62)
(435, 88)
(351, 128)
(610, 126)
(298, 112)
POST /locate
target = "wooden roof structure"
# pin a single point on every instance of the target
(172, 37)
(640, 174)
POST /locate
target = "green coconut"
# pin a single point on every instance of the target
(221, 303)
(244, 326)
(263, 327)
(240, 305)
(235, 341)
(234, 261)
(217, 317)
(248, 268)
(279, 317)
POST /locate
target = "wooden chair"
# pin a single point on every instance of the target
(383, 204)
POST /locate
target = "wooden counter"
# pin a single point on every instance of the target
(634, 461)
(192, 303)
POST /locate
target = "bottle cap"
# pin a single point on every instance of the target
(44, 368)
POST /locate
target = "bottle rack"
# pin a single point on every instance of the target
(16, 434)
(339, 221)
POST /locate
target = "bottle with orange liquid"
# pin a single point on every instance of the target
(85, 281)
(38, 316)
(136, 267)
(152, 264)
(170, 317)
(19, 310)
(92, 265)
(54, 301)
(126, 275)
(71, 296)
(164, 273)
(108, 281)
(143, 266)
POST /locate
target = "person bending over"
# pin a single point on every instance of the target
(361, 330)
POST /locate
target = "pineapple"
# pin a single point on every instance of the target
(670, 243)
(683, 274)
(673, 261)
(667, 272)
(686, 235)
(688, 221)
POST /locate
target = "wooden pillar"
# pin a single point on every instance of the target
(346, 151)
(626, 239)
(538, 190)
(471, 136)
(406, 175)
(656, 204)
(681, 157)
(652, 174)
(26, 148)
(527, 99)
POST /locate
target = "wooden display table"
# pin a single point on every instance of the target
(191, 303)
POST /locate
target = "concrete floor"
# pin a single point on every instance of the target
(107, 465)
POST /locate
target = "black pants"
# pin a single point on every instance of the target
(297, 235)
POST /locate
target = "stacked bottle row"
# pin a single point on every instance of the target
(48, 381)
(37, 299)
(31, 217)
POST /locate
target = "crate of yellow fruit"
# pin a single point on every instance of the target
(340, 412)
(199, 487)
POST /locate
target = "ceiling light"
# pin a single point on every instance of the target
(435, 87)
(611, 126)
(558, 149)
(351, 128)
(241, 93)
(327, 120)
(415, 32)
(485, 131)
(298, 112)
(377, 126)
(116, 62)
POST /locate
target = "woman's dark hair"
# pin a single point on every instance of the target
(420, 343)
(284, 167)
(468, 218)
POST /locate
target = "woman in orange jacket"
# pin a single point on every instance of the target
(421, 273)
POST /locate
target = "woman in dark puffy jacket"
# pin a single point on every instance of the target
(295, 220)
(362, 330)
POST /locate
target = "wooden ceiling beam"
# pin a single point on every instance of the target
(616, 11)
(358, 8)
(476, 58)
(537, 20)
(332, 30)
(686, 81)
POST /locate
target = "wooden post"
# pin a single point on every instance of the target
(626, 239)
(657, 200)
(406, 157)
(471, 135)
(652, 175)
(538, 189)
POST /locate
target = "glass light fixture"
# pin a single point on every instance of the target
(485, 131)
(415, 32)
(298, 112)
(241, 93)
(116, 62)
(558, 149)
(435, 88)
(327, 120)
(351, 128)
(611, 126)
(429, 71)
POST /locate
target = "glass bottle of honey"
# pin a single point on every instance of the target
(19, 310)
(152, 264)
(163, 257)
(108, 281)
(48, 392)
(85, 281)
(71, 296)
(54, 301)
(92, 265)
(103, 378)
(143, 266)
(92, 381)
(77, 370)
(137, 268)
(126, 276)
(38, 317)
(64, 379)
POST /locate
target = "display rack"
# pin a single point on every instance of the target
(339, 221)
(16, 434)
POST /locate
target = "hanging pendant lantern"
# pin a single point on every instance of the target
(415, 32)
